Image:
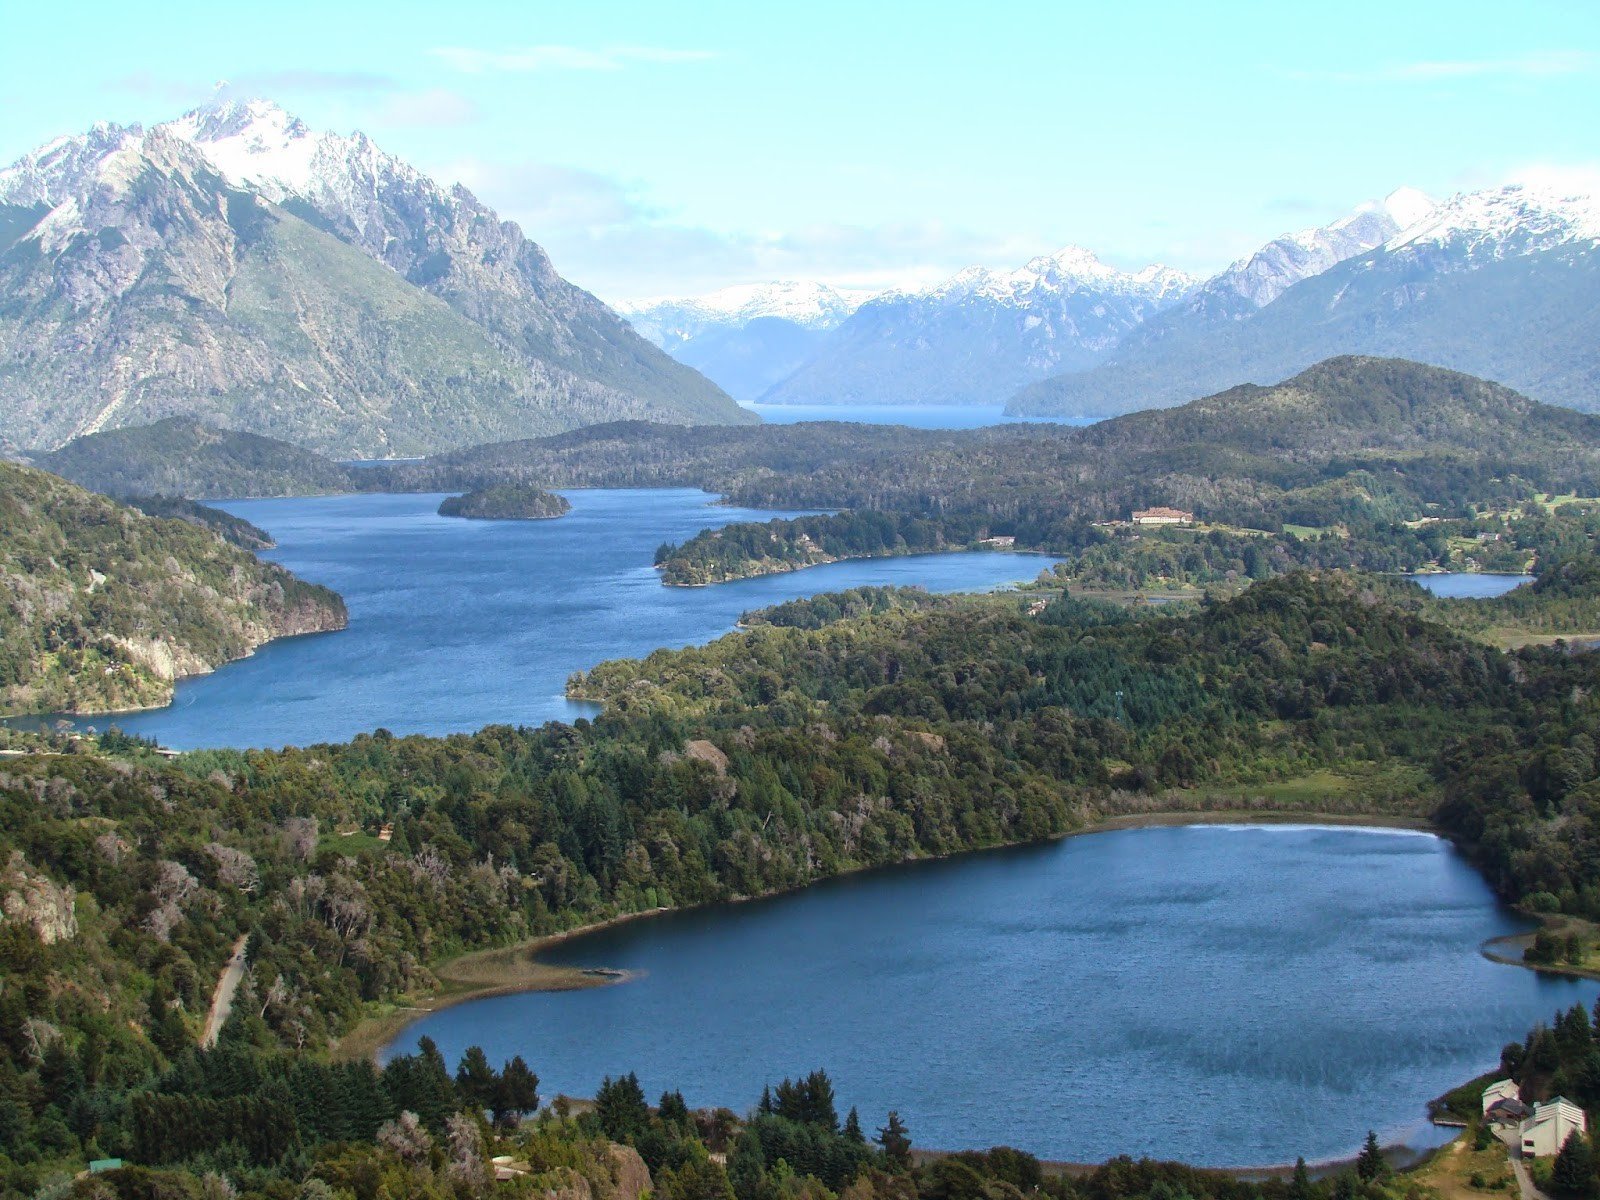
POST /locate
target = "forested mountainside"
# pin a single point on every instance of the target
(351, 305)
(763, 761)
(1380, 453)
(1501, 284)
(225, 525)
(179, 456)
(105, 607)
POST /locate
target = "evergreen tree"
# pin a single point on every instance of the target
(620, 1108)
(852, 1128)
(1300, 1187)
(475, 1079)
(1370, 1163)
(516, 1093)
(896, 1143)
(1572, 1174)
(673, 1109)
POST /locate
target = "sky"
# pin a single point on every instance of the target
(673, 148)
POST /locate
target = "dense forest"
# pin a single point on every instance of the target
(506, 502)
(1373, 464)
(179, 456)
(103, 607)
(835, 733)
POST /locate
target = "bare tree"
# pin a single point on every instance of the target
(406, 1138)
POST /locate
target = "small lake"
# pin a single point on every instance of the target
(918, 416)
(1249, 993)
(457, 624)
(1459, 585)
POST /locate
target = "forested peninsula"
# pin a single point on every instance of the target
(105, 607)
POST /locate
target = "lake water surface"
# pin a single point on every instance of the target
(456, 624)
(918, 416)
(1223, 995)
(1458, 585)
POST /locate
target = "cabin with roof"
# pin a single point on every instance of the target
(1549, 1127)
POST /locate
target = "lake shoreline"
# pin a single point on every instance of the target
(515, 969)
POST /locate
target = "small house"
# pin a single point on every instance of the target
(1552, 1123)
(1500, 1089)
(1161, 515)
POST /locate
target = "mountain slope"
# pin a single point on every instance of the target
(746, 339)
(152, 284)
(1502, 284)
(181, 457)
(1356, 406)
(446, 241)
(981, 334)
(103, 608)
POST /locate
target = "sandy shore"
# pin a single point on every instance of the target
(498, 972)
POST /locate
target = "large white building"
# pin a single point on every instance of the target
(1552, 1123)
(1500, 1089)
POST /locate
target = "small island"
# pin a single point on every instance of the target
(507, 502)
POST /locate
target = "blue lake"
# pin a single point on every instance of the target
(1251, 993)
(1455, 585)
(457, 624)
(923, 416)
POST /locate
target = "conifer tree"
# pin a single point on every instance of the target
(1370, 1163)
(852, 1127)
(896, 1143)
(1572, 1175)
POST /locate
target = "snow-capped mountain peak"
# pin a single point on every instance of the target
(1520, 218)
(806, 303)
(258, 145)
(1285, 261)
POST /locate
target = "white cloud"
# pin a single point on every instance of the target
(1538, 64)
(434, 106)
(563, 58)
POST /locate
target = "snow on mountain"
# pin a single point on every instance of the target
(59, 168)
(809, 305)
(1521, 218)
(747, 337)
(1285, 261)
(980, 334)
(1072, 269)
(337, 231)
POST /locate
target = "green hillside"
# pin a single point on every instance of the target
(104, 607)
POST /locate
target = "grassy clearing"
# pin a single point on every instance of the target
(1458, 1172)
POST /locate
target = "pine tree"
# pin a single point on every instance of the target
(1370, 1163)
(1300, 1187)
(1572, 1175)
(896, 1143)
(475, 1079)
(852, 1128)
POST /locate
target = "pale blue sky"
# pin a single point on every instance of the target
(675, 147)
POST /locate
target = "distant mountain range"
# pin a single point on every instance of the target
(746, 339)
(1500, 283)
(237, 267)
